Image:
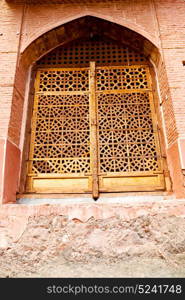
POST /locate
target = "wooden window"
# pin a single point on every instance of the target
(94, 130)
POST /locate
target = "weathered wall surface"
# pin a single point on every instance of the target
(31, 236)
(162, 22)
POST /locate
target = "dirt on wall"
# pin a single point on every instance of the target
(54, 246)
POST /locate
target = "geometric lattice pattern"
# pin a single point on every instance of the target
(104, 52)
(122, 78)
(126, 135)
(55, 80)
(125, 127)
(93, 123)
(60, 125)
(61, 122)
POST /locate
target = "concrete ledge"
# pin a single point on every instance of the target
(88, 200)
(85, 210)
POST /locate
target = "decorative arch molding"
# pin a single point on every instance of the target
(83, 25)
(123, 23)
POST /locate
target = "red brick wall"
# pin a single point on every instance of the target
(171, 20)
(167, 104)
(10, 20)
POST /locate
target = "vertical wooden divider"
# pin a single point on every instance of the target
(93, 137)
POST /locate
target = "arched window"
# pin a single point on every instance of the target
(94, 127)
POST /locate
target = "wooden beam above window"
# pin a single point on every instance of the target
(40, 1)
(55, 1)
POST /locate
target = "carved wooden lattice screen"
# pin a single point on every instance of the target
(60, 141)
(104, 52)
(128, 147)
(94, 128)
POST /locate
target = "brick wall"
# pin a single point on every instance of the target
(171, 20)
(167, 104)
(10, 20)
